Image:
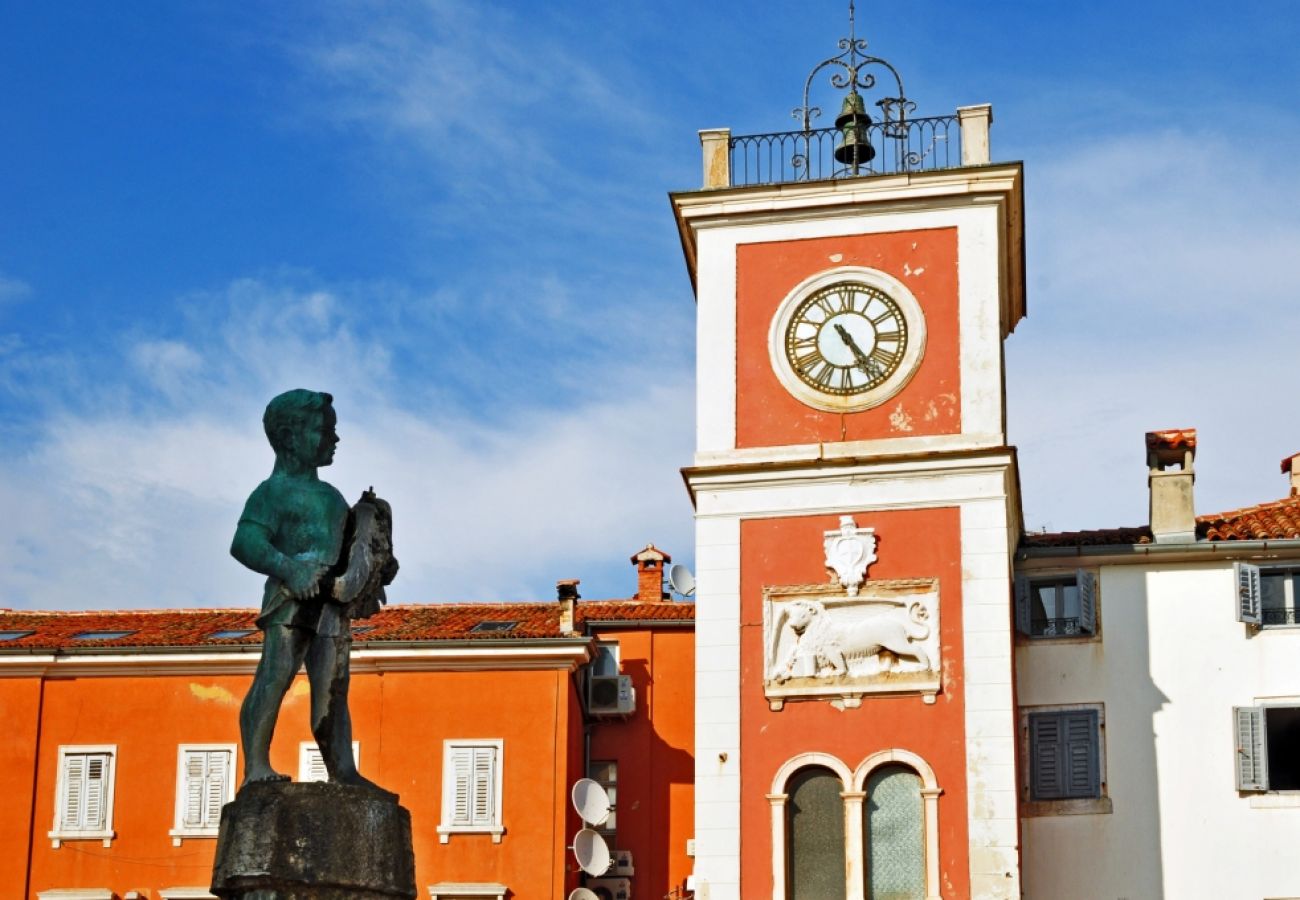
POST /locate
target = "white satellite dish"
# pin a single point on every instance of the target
(591, 801)
(681, 580)
(591, 851)
(583, 894)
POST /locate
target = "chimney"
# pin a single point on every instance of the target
(650, 564)
(1291, 466)
(1170, 477)
(566, 591)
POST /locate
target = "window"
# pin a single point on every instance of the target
(1065, 749)
(606, 775)
(14, 635)
(83, 808)
(205, 781)
(493, 626)
(101, 635)
(471, 788)
(1267, 596)
(311, 765)
(815, 835)
(894, 834)
(1057, 606)
(1268, 748)
(231, 634)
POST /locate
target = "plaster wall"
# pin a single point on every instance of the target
(20, 709)
(1171, 664)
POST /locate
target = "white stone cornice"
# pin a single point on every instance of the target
(560, 655)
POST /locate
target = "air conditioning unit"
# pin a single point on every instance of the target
(611, 888)
(622, 863)
(611, 695)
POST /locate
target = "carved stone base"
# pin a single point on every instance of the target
(314, 841)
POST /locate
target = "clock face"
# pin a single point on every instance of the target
(846, 339)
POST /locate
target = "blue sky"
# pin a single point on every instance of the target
(453, 216)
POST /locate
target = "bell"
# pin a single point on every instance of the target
(854, 147)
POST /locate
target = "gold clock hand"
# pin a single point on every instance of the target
(865, 363)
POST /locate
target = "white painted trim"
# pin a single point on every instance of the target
(497, 827)
(178, 830)
(463, 890)
(309, 749)
(930, 792)
(186, 893)
(565, 657)
(75, 894)
(777, 801)
(56, 834)
(914, 350)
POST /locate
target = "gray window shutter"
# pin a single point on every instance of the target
(1248, 602)
(1047, 778)
(1252, 752)
(1087, 581)
(1083, 761)
(1022, 604)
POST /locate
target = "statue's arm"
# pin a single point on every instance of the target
(252, 546)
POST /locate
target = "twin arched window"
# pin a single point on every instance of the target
(869, 834)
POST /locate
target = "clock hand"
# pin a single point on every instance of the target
(865, 363)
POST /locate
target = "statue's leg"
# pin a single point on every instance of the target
(331, 723)
(283, 649)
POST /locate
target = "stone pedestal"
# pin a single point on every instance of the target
(314, 841)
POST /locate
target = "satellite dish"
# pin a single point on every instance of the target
(583, 894)
(681, 580)
(591, 851)
(591, 801)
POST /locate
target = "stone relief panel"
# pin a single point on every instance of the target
(821, 642)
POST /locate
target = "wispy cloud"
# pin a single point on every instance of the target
(1160, 296)
(13, 290)
(138, 497)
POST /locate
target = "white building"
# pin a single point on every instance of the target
(1158, 680)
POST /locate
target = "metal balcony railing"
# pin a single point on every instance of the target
(1055, 627)
(913, 145)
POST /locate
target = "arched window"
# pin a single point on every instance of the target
(815, 835)
(894, 834)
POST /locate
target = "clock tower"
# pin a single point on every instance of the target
(856, 502)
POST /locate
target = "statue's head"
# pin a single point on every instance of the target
(300, 425)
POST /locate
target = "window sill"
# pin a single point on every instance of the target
(1275, 800)
(1084, 806)
(180, 834)
(446, 831)
(1031, 640)
(58, 837)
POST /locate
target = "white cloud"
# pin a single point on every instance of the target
(133, 504)
(13, 290)
(1160, 296)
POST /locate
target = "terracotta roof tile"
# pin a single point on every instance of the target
(1278, 520)
(1171, 439)
(52, 629)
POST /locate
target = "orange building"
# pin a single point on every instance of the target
(121, 741)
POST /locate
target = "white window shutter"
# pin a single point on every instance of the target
(74, 793)
(218, 776)
(194, 772)
(1022, 604)
(1252, 750)
(1248, 593)
(316, 770)
(484, 785)
(96, 785)
(1087, 581)
(462, 761)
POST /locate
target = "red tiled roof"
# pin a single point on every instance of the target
(1171, 439)
(1278, 520)
(54, 629)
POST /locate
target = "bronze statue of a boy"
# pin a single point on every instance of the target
(325, 564)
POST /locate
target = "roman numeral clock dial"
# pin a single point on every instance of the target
(848, 340)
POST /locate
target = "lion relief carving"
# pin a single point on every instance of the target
(826, 644)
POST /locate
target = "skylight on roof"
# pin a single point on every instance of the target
(362, 629)
(230, 634)
(494, 626)
(14, 635)
(101, 635)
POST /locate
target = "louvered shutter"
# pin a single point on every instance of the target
(73, 801)
(217, 778)
(1248, 593)
(484, 785)
(1047, 749)
(194, 789)
(1087, 582)
(1022, 604)
(1083, 763)
(462, 763)
(316, 770)
(96, 790)
(1252, 750)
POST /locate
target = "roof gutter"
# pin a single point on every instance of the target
(1134, 554)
